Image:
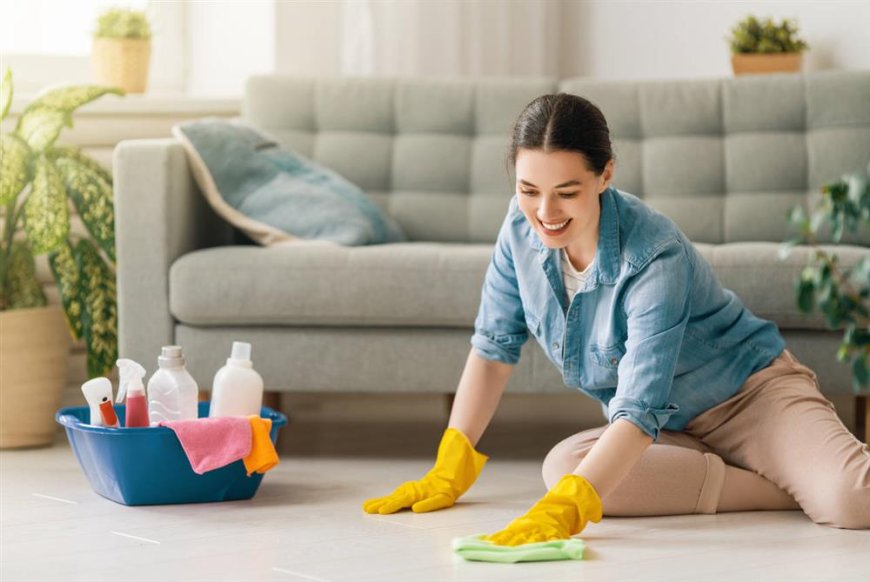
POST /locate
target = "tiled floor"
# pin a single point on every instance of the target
(305, 523)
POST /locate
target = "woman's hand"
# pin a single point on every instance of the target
(561, 513)
(456, 469)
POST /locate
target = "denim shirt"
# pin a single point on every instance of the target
(651, 334)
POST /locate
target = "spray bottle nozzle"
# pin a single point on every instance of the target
(131, 378)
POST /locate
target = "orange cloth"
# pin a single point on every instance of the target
(262, 456)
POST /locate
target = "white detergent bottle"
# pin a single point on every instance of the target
(172, 391)
(238, 388)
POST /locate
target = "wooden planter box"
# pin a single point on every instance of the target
(754, 64)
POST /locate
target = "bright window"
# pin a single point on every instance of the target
(48, 42)
(52, 27)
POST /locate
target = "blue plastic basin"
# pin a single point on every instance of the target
(147, 466)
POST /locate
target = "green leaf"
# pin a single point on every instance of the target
(40, 126)
(70, 98)
(66, 274)
(5, 94)
(860, 274)
(785, 248)
(100, 315)
(856, 185)
(15, 166)
(46, 216)
(90, 188)
(843, 351)
(22, 287)
(123, 23)
(58, 152)
(805, 295)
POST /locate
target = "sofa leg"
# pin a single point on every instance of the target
(272, 400)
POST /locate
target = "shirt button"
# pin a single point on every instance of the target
(556, 345)
(613, 361)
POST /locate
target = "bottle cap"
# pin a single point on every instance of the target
(240, 355)
(170, 357)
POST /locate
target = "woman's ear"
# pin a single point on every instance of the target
(606, 176)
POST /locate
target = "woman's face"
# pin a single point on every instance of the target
(558, 194)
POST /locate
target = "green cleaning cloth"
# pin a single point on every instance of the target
(476, 549)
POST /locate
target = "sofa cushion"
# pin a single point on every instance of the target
(421, 284)
(275, 195)
(400, 284)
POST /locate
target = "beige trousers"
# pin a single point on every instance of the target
(777, 444)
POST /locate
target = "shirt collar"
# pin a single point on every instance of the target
(607, 254)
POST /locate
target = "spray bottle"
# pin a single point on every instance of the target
(98, 393)
(131, 387)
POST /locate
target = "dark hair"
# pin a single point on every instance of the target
(563, 122)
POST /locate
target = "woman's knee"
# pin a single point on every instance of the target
(567, 454)
(845, 506)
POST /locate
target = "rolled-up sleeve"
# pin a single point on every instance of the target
(657, 306)
(500, 327)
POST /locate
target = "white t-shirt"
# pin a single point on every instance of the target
(573, 278)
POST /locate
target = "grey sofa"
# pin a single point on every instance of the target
(725, 158)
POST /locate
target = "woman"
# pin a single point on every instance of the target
(708, 412)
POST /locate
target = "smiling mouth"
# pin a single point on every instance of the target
(554, 229)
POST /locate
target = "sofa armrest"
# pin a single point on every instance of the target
(159, 216)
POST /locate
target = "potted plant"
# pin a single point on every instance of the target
(764, 47)
(122, 49)
(843, 295)
(38, 179)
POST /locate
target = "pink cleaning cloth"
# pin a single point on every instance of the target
(212, 443)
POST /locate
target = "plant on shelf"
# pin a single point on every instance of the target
(122, 49)
(765, 47)
(842, 295)
(752, 36)
(38, 179)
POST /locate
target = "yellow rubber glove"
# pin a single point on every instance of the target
(561, 513)
(456, 469)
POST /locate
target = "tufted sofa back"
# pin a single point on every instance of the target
(724, 158)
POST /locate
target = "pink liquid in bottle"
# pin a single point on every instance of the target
(137, 410)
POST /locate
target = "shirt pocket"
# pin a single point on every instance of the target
(607, 357)
(605, 364)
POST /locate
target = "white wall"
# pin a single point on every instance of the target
(228, 42)
(209, 48)
(617, 39)
(620, 39)
(307, 41)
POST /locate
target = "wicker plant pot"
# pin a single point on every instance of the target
(121, 62)
(34, 347)
(754, 64)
